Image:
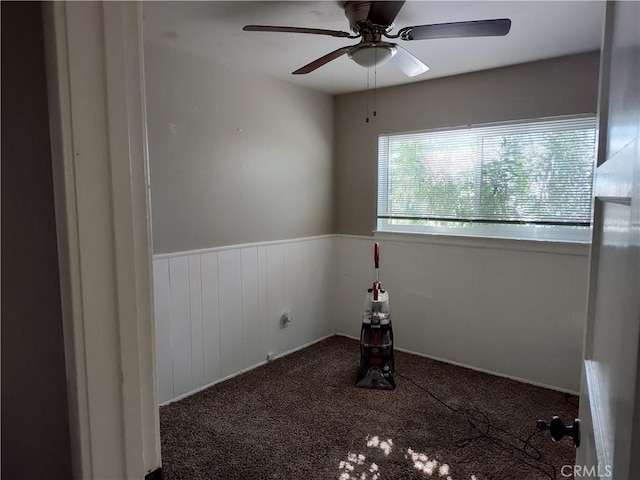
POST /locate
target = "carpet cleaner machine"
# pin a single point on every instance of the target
(376, 337)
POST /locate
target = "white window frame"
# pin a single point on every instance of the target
(552, 233)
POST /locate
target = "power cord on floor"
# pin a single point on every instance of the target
(473, 414)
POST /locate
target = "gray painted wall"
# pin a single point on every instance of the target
(235, 157)
(561, 86)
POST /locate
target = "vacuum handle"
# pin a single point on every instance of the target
(376, 255)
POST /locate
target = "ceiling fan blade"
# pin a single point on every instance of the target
(383, 12)
(310, 67)
(478, 28)
(314, 31)
(407, 63)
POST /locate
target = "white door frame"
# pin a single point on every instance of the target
(101, 183)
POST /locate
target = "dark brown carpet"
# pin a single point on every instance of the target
(300, 417)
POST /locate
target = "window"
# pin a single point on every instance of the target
(529, 180)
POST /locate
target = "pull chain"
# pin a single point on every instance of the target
(375, 84)
(367, 95)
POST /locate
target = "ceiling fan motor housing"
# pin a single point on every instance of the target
(358, 15)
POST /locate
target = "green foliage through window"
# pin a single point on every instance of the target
(533, 173)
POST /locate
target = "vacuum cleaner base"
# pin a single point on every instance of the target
(376, 357)
(373, 377)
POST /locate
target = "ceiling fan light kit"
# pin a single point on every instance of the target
(373, 20)
(373, 56)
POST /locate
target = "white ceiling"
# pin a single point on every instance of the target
(540, 29)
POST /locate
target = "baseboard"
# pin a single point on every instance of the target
(244, 370)
(348, 336)
(477, 369)
(288, 352)
(308, 344)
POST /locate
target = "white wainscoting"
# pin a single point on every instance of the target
(218, 310)
(515, 309)
(512, 308)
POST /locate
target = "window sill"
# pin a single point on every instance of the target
(469, 241)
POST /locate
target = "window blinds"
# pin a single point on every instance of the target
(538, 172)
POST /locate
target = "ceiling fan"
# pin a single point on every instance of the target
(373, 20)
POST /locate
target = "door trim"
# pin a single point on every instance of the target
(98, 130)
